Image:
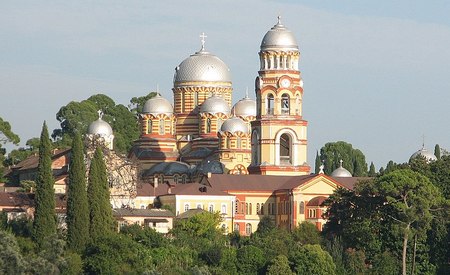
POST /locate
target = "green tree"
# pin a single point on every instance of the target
(77, 203)
(353, 159)
(250, 260)
(11, 260)
(318, 162)
(6, 136)
(372, 172)
(279, 265)
(409, 201)
(437, 151)
(100, 213)
(44, 216)
(306, 233)
(146, 236)
(311, 259)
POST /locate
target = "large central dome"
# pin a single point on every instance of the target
(202, 67)
(279, 38)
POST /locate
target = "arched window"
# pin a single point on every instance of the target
(228, 142)
(250, 209)
(161, 178)
(285, 104)
(262, 209)
(246, 209)
(236, 227)
(255, 147)
(161, 127)
(195, 99)
(248, 229)
(175, 178)
(285, 149)
(301, 208)
(208, 125)
(269, 110)
(239, 142)
(186, 207)
(224, 209)
(149, 126)
(183, 179)
(199, 206)
(211, 208)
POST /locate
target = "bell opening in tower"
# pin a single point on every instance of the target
(285, 149)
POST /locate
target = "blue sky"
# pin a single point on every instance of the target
(376, 73)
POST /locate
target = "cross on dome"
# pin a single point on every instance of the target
(203, 36)
(279, 20)
(100, 114)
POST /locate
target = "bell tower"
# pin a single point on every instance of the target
(278, 137)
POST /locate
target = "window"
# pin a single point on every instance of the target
(199, 206)
(312, 213)
(183, 179)
(224, 228)
(208, 125)
(161, 179)
(142, 206)
(186, 207)
(246, 209)
(248, 229)
(301, 208)
(236, 227)
(195, 99)
(262, 209)
(257, 208)
(269, 110)
(236, 207)
(224, 209)
(285, 104)
(285, 149)
(255, 149)
(250, 209)
(161, 127)
(228, 142)
(149, 126)
(211, 208)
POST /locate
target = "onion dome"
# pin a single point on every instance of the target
(214, 105)
(157, 105)
(234, 125)
(100, 127)
(425, 154)
(201, 67)
(244, 107)
(341, 172)
(279, 38)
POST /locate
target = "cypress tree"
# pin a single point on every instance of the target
(372, 172)
(77, 202)
(44, 223)
(318, 163)
(100, 212)
(437, 151)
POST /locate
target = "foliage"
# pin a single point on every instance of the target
(145, 236)
(372, 172)
(311, 259)
(317, 163)
(265, 225)
(6, 134)
(250, 260)
(137, 103)
(355, 261)
(353, 159)
(77, 202)
(201, 225)
(385, 263)
(306, 233)
(11, 260)
(279, 265)
(44, 217)
(100, 213)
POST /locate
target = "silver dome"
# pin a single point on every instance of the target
(214, 105)
(244, 107)
(157, 105)
(234, 125)
(202, 67)
(341, 172)
(100, 127)
(424, 153)
(279, 38)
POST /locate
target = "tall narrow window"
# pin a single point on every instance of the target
(161, 127)
(195, 99)
(285, 104)
(183, 101)
(149, 126)
(246, 209)
(261, 211)
(186, 207)
(239, 142)
(248, 229)
(301, 208)
(257, 208)
(285, 149)
(208, 125)
(250, 209)
(228, 142)
(269, 110)
(224, 209)
(211, 208)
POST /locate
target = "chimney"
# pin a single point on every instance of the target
(209, 175)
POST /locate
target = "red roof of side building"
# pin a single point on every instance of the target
(17, 199)
(196, 189)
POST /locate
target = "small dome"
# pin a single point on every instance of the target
(341, 172)
(279, 38)
(202, 67)
(214, 105)
(157, 105)
(244, 107)
(168, 168)
(100, 127)
(424, 153)
(234, 125)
